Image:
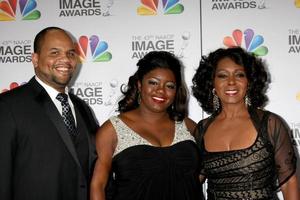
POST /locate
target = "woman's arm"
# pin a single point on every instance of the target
(285, 156)
(106, 140)
(290, 189)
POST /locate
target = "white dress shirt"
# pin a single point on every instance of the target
(53, 93)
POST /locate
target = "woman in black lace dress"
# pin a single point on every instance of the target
(149, 147)
(246, 151)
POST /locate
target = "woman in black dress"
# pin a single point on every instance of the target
(246, 151)
(149, 147)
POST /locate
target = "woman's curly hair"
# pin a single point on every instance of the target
(153, 60)
(256, 72)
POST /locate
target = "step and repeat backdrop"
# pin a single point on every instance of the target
(112, 35)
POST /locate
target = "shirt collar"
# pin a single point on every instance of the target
(50, 90)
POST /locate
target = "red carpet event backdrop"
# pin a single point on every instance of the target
(111, 35)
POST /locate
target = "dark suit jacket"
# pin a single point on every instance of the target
(38, 159)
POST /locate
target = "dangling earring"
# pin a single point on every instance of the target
(216, 103)
(138, 97)
(247, 100)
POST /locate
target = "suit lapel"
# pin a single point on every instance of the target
(80, 115)
(62, 130)
(43, 98)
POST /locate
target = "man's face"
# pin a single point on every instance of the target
(56, 61)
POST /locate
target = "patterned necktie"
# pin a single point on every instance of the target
(67, 114)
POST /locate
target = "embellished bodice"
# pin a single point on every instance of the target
(147, 172)
(127, 137)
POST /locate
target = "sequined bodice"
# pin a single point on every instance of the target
(127, 137)
(146, 172)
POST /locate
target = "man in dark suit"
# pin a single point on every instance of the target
(43, 154)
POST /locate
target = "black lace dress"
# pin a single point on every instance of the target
(252, 173)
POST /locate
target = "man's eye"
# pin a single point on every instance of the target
(72, 54)
(54, 52)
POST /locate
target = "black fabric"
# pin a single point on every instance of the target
(81, 145)
(255, 172)
(146, 172)
(37, 157)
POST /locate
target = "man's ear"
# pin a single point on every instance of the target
(35, 59)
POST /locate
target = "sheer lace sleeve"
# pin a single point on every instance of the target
(285, 158)
(199, 132)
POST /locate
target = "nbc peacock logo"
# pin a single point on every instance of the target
(150, 7)
(27, 8)
(248, 40)
(12, 85)
(98, 49)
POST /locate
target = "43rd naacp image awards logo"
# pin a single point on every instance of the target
(80, 8)
(142, 44)
(248, 40)
(97, 93)
(294, 41)
(90, 92)
(15, 51)
(153, 7)
(98, 49)
(218, 5)
(27, 8)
